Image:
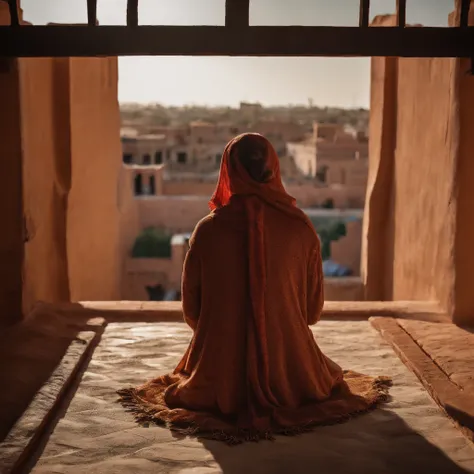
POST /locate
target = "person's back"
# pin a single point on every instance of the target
(252, 285)
(293, 299)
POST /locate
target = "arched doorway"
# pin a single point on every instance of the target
(127, 158)
(152, 187)
(322, 173)
(138, 185)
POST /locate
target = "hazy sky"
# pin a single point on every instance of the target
(226, 81)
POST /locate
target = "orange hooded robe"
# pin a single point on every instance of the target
(252, 284)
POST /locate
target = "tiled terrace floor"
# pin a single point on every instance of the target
(409, 434)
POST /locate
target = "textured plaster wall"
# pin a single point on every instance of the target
(377, 236)
(46, 178)
(178, 214)
(94, 220)
(307, 195)
(188, 188)
(60, 136)
(418, 227)
(346, 251)
(11, 236)
(464, 255)
(143, 272)
(423, 181)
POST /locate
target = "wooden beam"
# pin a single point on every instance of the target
(401, 13)
(13, 7)
(132, 13)
(77, 41)
(464, 13)
(364, 13)
(237, 13)
(92, 12)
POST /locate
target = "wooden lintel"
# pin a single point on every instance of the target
(77, 41)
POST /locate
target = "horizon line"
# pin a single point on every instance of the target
(233, 106)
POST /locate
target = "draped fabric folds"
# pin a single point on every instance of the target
(252, 285)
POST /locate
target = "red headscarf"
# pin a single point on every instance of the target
(234, 180)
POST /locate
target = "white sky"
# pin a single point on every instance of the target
(227, 81)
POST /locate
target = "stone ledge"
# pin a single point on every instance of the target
(449, 346)
(22, 439)
(343, 289)
(162, 311)
(458, 404)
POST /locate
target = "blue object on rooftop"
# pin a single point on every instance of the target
(333, 269)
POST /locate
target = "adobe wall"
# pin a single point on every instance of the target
(46, 177)
(346, 172)
(343, 289)
(464, 244)
(304, 156)
(463, 305)
(178, 213)
(423, 177)
(417, 244)
(377, 234)
(147, 173)
(94, 221)
(188, 188)
(346, 251)
(11, 236)
(143, 272)
(307, 195)
(140, 146)
(11, 206)
(129, 219)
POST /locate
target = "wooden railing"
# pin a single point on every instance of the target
(237, 37)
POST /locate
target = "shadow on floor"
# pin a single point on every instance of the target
(378, 442)
(30, 352)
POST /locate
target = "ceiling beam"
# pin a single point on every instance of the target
(56, 41)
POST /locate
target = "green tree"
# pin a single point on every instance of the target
(152, 243)
(330, 234)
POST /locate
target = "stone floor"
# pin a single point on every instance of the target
(409, 434)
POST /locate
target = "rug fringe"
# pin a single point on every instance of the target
(145, 414)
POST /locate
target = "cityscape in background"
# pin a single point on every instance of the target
(171, 158)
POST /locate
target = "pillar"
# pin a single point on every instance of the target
(463, 297)
(377, 234)
(94, 241)
(11, 188)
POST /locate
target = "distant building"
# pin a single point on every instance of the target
(251, 112)
(198, 147)
(333, 155)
